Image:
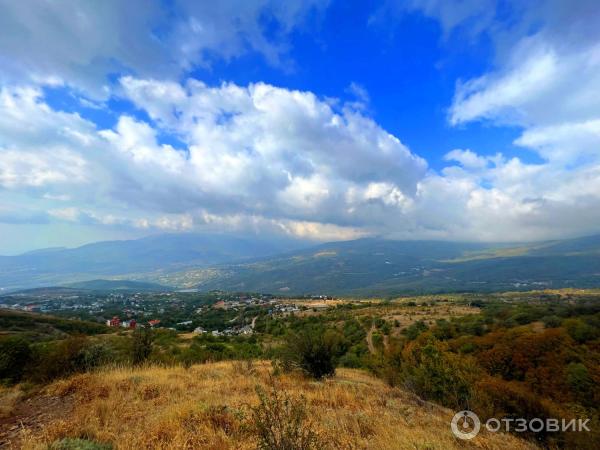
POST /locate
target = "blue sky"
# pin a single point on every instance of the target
(406, 66)
(416, 119)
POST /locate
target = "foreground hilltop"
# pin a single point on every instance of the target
(210, 406)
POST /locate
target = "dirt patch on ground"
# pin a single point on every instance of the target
(370, 340)
(31, 414)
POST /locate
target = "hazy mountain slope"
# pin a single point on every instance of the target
(337, 267)
(165, 252)
(360, 267)
(380, 267)
(585, 245)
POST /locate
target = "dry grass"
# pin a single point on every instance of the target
(408, 315)
(208, 407)
(8, 400)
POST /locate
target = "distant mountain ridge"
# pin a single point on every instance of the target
(385, 267)
(370, 266)
(163, 253)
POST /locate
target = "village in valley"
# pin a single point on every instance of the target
(216, 313)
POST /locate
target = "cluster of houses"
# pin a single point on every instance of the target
(233, 331)
(282, 309)
(115, 322)
(29, 308)
(244, 301)
(46, 307)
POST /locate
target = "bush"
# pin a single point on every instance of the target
(377, 340)
(523, 318)
(551, 321)
(141, 345)
(15, 355)
(579, 330)
(386, 328)
(439, 376)
(499, 399)
(281, 422)
(312, 350)
(60, 359)
(351, 360)
(443, 330)
(415, 330)
(95, 355)
(390, 368)
(580, 383)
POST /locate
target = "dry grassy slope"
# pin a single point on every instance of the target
(182, 408)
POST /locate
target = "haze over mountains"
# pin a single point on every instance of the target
(369, 266)
(164, 253)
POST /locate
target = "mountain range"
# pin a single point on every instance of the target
(370, 266)
(109, 259)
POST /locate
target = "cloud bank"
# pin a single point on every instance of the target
(187, 155)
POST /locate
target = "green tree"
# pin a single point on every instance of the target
(579, 330)
(415, 330)
(438, 375)
(580, 382)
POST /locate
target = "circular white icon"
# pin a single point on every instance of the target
(465, 425)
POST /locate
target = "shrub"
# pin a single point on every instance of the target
(386, 328)
(15, 355)
(437, 375)
(443, 330)
(377, 339)
(312, 350)
(60, 359)
(474, 325)
(579, 330)
(524, 317)
(354, 331)
(141, 345)
(415, 330)
(281, 422)
(390, 368)
(551, 321)
(95, 355)
(580, 383)
(351, 360)
(499, 399)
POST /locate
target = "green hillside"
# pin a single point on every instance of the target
(361, 267)
(118, 285)
(42, 326)
(386, 267)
